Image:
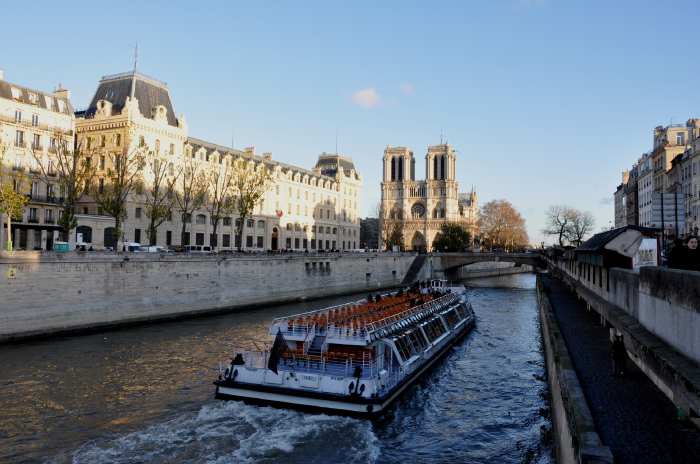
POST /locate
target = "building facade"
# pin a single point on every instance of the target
(421, 207)
(666, 182)
(303, 209)
(32, 125)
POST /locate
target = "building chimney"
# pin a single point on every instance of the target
(62, 93)
(2, 75)
(249, 151)
(267, 156)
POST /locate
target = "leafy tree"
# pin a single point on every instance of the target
(12, 200)
(72, 171)
(123, 175)
(393, 235)
(502, 225)
(190, 193)
(221, 199)
(452, 237)
(160, 198)
(250, 182)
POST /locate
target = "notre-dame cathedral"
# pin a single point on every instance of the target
(422, 206)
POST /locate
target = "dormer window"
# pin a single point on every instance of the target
(160, 113)
(16, 93)
(33, 98)
(104, 108)
(49, 102)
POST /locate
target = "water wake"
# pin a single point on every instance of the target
(232, 432)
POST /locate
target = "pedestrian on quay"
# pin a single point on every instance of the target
(618, 353)
(685, 254)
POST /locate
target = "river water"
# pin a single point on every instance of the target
(144, 394)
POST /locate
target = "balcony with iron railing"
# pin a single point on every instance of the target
(20, 144)
(46, 199)
(33, 220)
(49, 220)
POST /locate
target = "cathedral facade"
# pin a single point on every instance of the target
(421, 207)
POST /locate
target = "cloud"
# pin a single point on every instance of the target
(606, 201)
(366, 98)
(407, 89)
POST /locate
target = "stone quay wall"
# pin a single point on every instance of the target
(576, 439)
(657, 310)
(48, 293)
(491, 269)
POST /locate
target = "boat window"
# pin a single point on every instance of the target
(462, 311)
(434, 328)
(451, 317)
(418, 340)
(403, 346)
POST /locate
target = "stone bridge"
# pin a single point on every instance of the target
(450, 262)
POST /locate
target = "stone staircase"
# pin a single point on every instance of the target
(412, 273)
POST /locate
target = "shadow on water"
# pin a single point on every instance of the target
(144, 394)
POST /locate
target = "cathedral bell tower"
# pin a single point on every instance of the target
(441, 162)
(399, 165)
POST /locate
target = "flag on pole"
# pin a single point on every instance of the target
(278, 347)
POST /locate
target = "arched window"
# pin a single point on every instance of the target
(261, 224)
(400, 161)
(442, 168)
(201, 219)
(435, 168)
(335, 230)
(289, 226)
(393, 168)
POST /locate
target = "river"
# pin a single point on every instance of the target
(144, 394)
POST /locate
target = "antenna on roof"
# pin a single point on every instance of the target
(133, 78)
(441, 136)
(336, 140)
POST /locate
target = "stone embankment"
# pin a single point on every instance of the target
(49, 293)
(632, 417)
(576, 439)
(657, 311)
(491, 269)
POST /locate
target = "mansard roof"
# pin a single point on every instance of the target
(43, 100)
(328, 164)
(148, 91)
(196, 144)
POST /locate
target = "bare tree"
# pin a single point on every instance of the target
(221, 199)
(123, 175)
(71, 170)
(250, 182)
(582, 224)
(502, 225)
(190, 193)
(160, 197)
(559, 219)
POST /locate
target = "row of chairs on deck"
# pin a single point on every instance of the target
(350, 319)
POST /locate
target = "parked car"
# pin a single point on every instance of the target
(197, 249)
(132, 246)
(153, 249)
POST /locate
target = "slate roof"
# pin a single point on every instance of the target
(211, 147)
(148, 91)
(41, 101)
(329, 163)
(598, 241)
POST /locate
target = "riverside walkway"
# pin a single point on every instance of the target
(632, 416)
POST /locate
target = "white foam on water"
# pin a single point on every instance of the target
(232, 432)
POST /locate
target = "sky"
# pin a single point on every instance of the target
(546, 101)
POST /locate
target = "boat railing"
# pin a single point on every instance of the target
(430, 306)
(317, 311)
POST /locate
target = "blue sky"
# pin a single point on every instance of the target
(546, 101)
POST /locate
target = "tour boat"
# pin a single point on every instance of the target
(354, 358)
